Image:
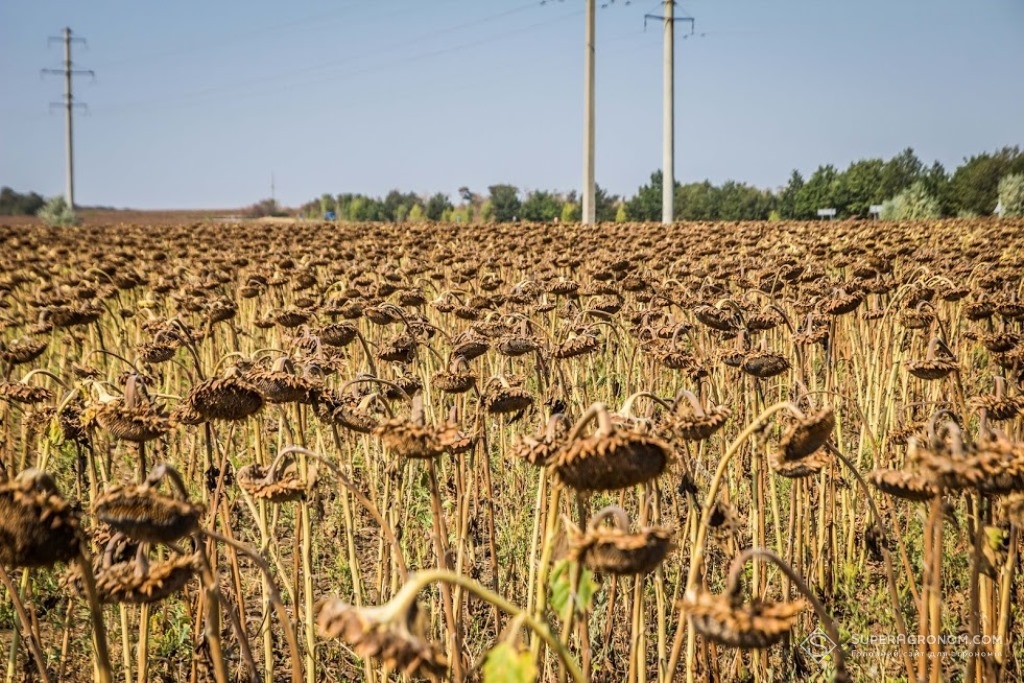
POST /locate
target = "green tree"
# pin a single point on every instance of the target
(604, 204)
(340, 206)
(645, 205)
(735, 201)
(396, 205)
(437, 206)
(821, 191)
(487, 211)
(504, 202)
(16, 204)
(353, 208)
(416, 213)
(572, 212)
(937, 182)
(620, 213)
(862, 187)
(326, 204)
(694, 202)
(912, 203)
(789, 196)
(974, 187)
(541, 206)
(1011, 195)
(361, 209)
(265, 208)
(901, 172)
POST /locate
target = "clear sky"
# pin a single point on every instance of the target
(196, 103)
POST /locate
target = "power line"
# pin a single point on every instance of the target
(235, 38)
(219, 91)
(331, 64)
(69, 105)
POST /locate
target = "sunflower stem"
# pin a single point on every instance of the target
(31, 637)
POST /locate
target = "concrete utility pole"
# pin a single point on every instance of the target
(668, 134)
(589, 188)
(69, 104)
(668, 125)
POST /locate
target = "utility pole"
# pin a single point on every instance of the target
(668, 123)
(589, 188)
(69, 105)
(668, 129)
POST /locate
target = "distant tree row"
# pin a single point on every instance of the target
(971, 190)
(502, 204)
(395, 207)
(903, 185)
(16, 204)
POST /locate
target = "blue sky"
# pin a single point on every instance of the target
(196, 103)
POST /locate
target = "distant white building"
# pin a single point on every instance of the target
(999, 209)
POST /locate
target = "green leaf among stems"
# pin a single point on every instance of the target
(505, 664)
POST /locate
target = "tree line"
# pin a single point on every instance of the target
(903, 185)
(16, 204)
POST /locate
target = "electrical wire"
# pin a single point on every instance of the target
(219, 91)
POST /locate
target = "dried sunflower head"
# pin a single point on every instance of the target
(611, 458)
(143, 513)
(998, 406)
(615, 549)
(904, 484)
(38, 528)
(936, 368)
(798, 469)
(280, 384)
(225, 398)
(291, 317)
(502, 397)
(939, 362)
(137, 580)
(842, 303)
(278, 483)
(715, 318)
(351, 412)
(517, 345)
(807, 435)
(139, 423)
(398, 349)
(156, 352)
(576, 345)
(764, 364)
(411, 438)
(457, 380)
(540, 449)
(728, 621)
(337, 335)
(692, 422)
(1000, 342)
(25, 351)
(26, 394)
(397, 641)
